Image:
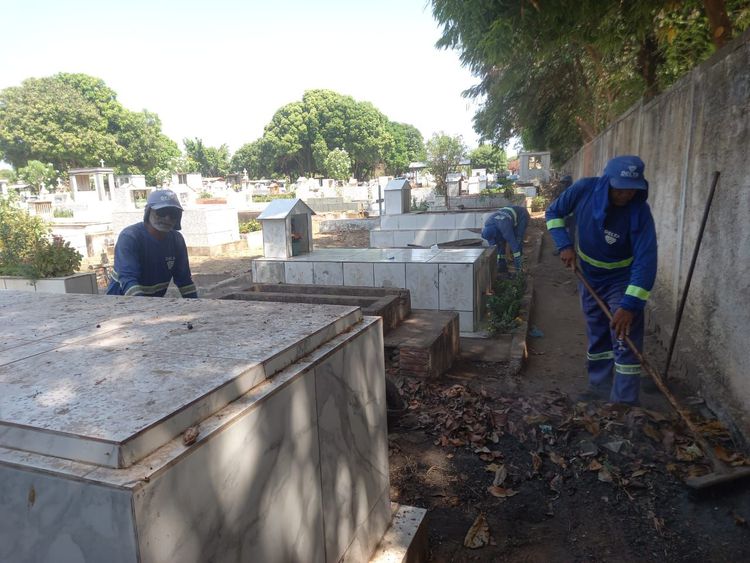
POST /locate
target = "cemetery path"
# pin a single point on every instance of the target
(519, 467)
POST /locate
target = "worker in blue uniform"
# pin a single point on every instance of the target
(148, 255)
(617, 251)
(507, 224)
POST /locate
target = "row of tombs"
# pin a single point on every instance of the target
(415, 251)
(215, 430)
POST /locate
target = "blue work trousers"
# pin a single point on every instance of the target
(606, 354)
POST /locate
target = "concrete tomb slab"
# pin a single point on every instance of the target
(291, 458)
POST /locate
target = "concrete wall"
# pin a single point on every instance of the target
(700, 125)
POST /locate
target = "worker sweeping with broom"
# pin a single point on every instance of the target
(617, 251)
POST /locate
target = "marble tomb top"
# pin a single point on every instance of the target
(392, 255)
(107, 380)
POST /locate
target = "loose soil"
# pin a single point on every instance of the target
(545, 477)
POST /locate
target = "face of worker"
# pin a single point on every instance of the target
(164, 219)
(620, 198)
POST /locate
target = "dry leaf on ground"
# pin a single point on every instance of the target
(479, 533)
(556, 459)
(501, 492)
(536, 462)
(500, 476)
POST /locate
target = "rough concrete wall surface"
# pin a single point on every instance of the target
(700, 125)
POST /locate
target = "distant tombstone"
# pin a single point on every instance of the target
(397, 195)
(287, 228)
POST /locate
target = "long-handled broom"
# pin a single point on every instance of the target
(722, 473)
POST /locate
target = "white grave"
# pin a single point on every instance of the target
(397, 195)
(290, 462)
(287, 228)
(441, 279)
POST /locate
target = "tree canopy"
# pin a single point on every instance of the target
(556, 73)
(489, 157)
(337, 164)
(444, 154)
(75, 120)
(212, 161)
(301, 135)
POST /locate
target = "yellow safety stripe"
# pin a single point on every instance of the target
(187, 289)
(147, 289)
(512, 212)
(608, 355)
(605, 265)
(638, 292)
(628, 369)
(555, 223)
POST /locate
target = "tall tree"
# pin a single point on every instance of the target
(444, 154)
(301, 134)
(556, 73)
(73, 120)
(407, 147)
(38, 174)
(338, 165)
(212, 161)
(254, 158)
(489, 157)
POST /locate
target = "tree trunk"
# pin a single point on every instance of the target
(721, 26)
(649, 60)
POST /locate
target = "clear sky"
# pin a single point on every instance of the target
(219, 69)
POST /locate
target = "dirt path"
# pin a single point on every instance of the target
(573, 481)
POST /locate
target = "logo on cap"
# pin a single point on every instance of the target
(631, 172)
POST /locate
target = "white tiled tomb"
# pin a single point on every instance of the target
(441, 279)
(290, 463)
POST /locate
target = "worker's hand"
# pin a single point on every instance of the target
(621, 321)
(568, 258)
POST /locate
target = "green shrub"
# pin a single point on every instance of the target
(60, 212)
(249, 226)
(25, 247)
(539, 203)
(504, 305)
(205, 195)
(266, 198)
(421, 206)
(56, 258)
(509, 192)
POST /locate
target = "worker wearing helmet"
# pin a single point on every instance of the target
(150, 254)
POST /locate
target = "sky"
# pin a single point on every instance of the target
(219, 69)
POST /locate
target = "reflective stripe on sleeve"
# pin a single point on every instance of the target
(516, 254)
(555, 223)
(639, 292)
(146, 289)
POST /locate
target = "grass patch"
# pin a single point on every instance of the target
(503, 307)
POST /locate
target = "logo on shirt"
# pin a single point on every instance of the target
(631, 172)
(170, 261)
(610, 237)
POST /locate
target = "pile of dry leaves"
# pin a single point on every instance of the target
(624, 446)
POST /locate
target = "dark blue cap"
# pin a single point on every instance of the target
(626, 173)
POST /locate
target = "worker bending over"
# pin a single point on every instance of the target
(507, 225)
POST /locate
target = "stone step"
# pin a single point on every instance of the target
(425, 344)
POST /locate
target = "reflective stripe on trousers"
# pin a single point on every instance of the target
(606, 355)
